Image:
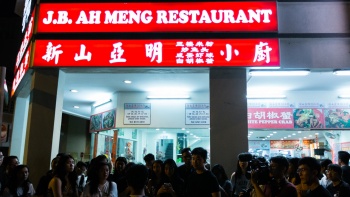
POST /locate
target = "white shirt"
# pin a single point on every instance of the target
(103, 192)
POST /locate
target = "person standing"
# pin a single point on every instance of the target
(99, 185)
(338, 187)
(136, 178)
(343, 161)
(309, 170)
(19, 184)
(202, 182)
(325, 180)
(240, 179)
(186, 169)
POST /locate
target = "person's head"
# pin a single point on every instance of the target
(219, 171)
(54, 163)
(324, 165)
(157, 167)
(65, 165)
(21, 172)
(186, 156)
(334, 172)
(120, 164)
(137, 177)
(243, 161)
(170, 168)
(293, 166)
(101, 158)
(278, 166)
(199, 157)
(149, 159)
(309, 170)
(81, 168)
(343, 158)
(10, 163)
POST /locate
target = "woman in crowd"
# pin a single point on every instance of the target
(156, 178)
(19, 184)
(64, 181)
(240, 179)
(99, 185)
(293, 176)
(173, 185)
(225, 183)
(119, 174)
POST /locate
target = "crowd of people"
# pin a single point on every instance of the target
(253, 177)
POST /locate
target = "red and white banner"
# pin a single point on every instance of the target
(158, 17)
(262, 118)
(21, 71)
(173, 53)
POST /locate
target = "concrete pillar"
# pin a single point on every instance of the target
(228, 116)
(19, 128)
(44, 121)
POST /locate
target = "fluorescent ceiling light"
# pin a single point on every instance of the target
(279, 72)
(76, 107)
(168, 96)
(127, 81)
(277, 96)
(74, 91)
(101, 102)
(342, 72)
(344, 96)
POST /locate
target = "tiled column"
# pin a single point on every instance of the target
(44, 121)
(228, 116)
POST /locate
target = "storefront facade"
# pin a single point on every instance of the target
(307, 38)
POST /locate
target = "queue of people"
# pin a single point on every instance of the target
(253, 177)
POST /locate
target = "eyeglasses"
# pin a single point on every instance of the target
(299, 170)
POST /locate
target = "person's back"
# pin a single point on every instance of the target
(343, 161)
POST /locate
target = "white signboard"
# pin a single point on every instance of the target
(137, 113)
(197, 113)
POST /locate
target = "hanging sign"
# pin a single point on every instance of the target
(158, 17)
(259, 118)
(197, 113)
(174, 53)
(137, 113)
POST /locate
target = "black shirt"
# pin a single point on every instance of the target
(346, 174)
(201, 185)
(320, 191)
(343, 189)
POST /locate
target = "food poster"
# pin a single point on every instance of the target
(108, 119)
(290, 144)
(103, 121)
(308, 118)
(278, 118)
(95, 122)
(337, 118)
(137, 113)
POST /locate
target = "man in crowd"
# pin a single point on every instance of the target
(136, 178)
(338, 187)
(343, 161)
(149, 159)
(309, 171)
(278, 186)
(186, 169)
(202, 181)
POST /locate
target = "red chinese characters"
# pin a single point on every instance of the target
(168, 53)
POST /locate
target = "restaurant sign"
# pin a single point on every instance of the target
(168, 53)
(158, 17)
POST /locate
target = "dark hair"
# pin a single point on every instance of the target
(201, 152)
(221, 170)
(81, 164)
(148, 157)
(336, 168)
(185, 150)
(281, 161)
(94, 179)
(136, 176)
(245, 157)
(294, 162)
(160, 162)
(325, 163)
(312, 163)
(14, 181)
(122, 159)
(344, 156)
(6, 161)
(171, 164)
(60, 172)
